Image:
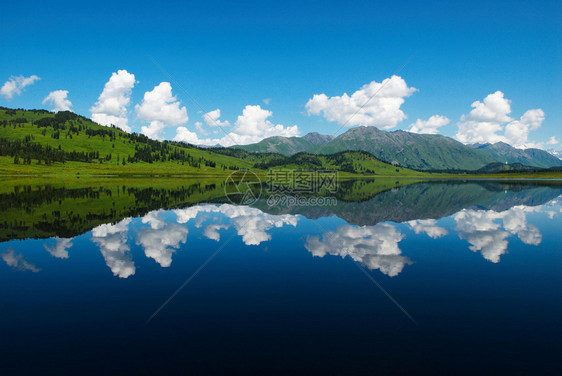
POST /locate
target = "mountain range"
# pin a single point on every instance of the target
(38, 141)
(412, 150)
(34, 141)
(287, 145)
(506, 153)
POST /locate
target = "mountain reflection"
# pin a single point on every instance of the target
(486, 215)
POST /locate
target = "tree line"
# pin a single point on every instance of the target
(67, 124)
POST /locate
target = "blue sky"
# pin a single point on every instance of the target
(230, 55)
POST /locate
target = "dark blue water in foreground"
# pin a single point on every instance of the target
(473, 289)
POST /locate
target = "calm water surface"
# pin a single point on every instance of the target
(449, 277)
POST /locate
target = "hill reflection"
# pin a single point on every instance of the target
(162, 222)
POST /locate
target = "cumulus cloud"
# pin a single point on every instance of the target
(552, 141)
(17, 262)
(199, 128)
(486, 235)
(250, 127)
(15, 85)
(515, 222)
(253, 125)
(428, 226)
(161, 109)
(211, 118)
(485, 120)
(376, 247)
(250, 223)
(429, 126)
(162, 239)
(517, 131)
(375, 104)
(185, 135)
(212, 231)
(60, 249)
(112, 241)
(59, 99)
(111, 107)
(489, 118)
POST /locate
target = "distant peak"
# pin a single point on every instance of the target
(501, 143)
(316, 138)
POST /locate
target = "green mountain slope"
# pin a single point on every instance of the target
(286, 145)
(358, 162)
(420, 151)
(38, 141)
(503, 152)
(502, 167)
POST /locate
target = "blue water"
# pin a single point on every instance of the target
(474, 291)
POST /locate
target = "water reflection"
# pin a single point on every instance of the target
(429, 227)
(16, 261)
(484, 232)
(374, 246)
(112, 242)
(60, 248)
(161, 239)
(250, 223)
(485, 215)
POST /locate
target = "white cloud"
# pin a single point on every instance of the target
(253, 125)
(59, 99)
(212, 231)
(552, 141)
(515, 222)
(517, 131)
(60, 250)
(112, 241)
(429, 126)
(374, 246)
(161, 109)
(198, 127)
(185, 135)
(481, 229)
(16, 261)
(15, 85)
(250, 223)
(161, 240)
(429, 226)
(154, 219)
(250, 127)
(375, 104)
(485, 120)
(211, 118)
(111, 107)
(488, 119)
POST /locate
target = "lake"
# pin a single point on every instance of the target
(380, 276)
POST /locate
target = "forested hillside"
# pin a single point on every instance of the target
(41, 138)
